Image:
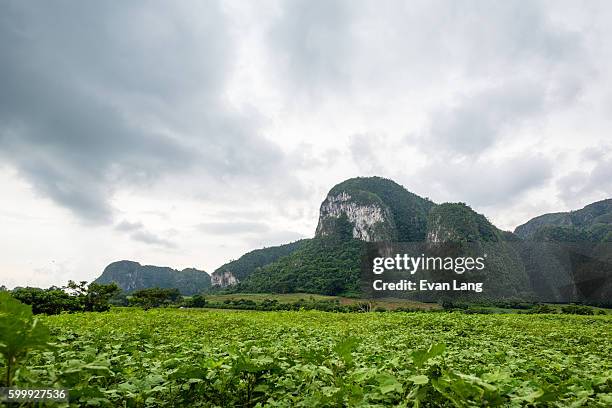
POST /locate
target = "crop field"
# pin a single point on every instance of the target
(387, 303)
(182, 357)
(280, 297)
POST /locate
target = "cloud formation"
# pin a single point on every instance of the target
(100, 96)
(487, 182)
(233, 227)
(580, 187)
(143, 119)
(138, 232)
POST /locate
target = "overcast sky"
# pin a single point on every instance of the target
(186, 133)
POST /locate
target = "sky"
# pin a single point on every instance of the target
(185, 134)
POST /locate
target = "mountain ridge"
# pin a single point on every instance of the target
(132, 276)
(374, 209)
(593, 219)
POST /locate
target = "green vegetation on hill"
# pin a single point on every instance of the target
(591, 223)
(504, 275)
(131, 276)
(328, 265)
(457, 222)
(249, 262)
(409, 211)
(595, 233)
(570, 254)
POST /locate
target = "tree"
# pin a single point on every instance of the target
(48, 301)
(74, 297)
(155, 297)
(97, 297)
(197, 301)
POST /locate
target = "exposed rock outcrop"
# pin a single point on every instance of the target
(370, 222)
(376, 209)
(223, 279)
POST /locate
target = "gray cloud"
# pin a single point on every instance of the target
(100, 95)
(233, 227)
(518, 62)
(390, 45)
(151, 239)
(271, 238)
(363, 148)
(138, 232)
(579, 187)
(129, 226)
(481, 120)
(255, 234)
(484, 182)
(312, 41)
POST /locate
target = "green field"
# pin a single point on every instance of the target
(259, 297)
(174, 357)
(387, 303)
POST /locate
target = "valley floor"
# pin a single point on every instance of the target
(183, 357)
(282, 298)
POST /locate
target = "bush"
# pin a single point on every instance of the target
(577, 309)
(542, 309)
(452, 305)
(72, 298)
(196, 301)
(155, 297)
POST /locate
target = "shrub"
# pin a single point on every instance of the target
(577, 309)
(155, 297)
(196, 301)
(541, 309)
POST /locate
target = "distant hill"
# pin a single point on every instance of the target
(236, 271)
(592, 223)
(325, 265)
(375, 209)
(536, 262)
(458, 223)
(572, 253)
(131, 276)
(363, 209)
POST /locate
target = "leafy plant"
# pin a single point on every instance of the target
(170, 357)
(20, 332)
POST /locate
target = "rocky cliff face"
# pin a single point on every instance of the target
(376, 210)
(370, 222)
(223, 279)
(440, 233)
